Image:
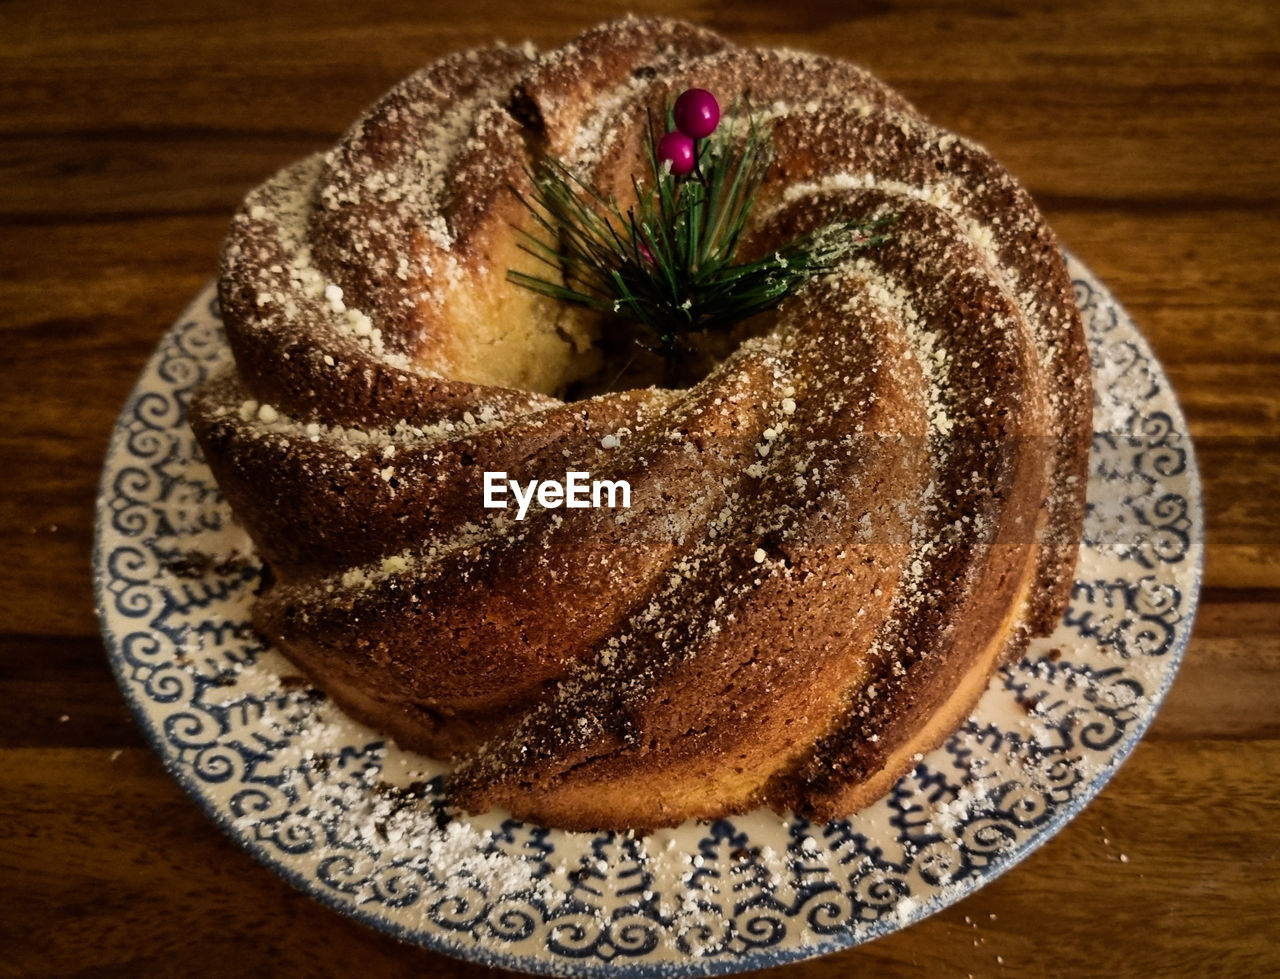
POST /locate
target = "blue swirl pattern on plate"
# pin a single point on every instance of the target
(361, 826)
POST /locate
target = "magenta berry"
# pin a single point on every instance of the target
(677, 149)
(697, 113)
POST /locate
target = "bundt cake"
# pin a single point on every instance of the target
(833, 537)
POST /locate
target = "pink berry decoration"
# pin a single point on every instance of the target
(697, 113)
(676, 148)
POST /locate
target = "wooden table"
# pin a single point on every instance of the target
(1148, 131)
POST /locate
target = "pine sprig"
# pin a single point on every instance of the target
(668, 261)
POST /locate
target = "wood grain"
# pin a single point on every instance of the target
(1149, 133)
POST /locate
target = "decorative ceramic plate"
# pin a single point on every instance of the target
(363, 827)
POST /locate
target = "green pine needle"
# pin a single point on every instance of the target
(668, 261)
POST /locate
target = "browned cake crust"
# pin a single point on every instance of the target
(834, 537)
